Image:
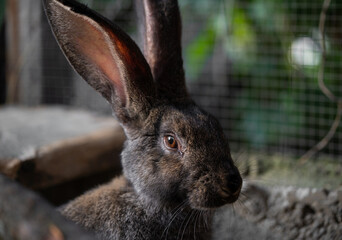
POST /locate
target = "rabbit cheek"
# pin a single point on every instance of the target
(170, 175)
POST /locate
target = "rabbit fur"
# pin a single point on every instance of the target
(176, 161)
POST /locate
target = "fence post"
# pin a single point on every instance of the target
(24, 71)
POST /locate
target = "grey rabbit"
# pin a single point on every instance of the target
(177, 166)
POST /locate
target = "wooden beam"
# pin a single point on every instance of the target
(12, 53)
(24, 60)
(64, 151)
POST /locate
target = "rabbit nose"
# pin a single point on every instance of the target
(232, 187)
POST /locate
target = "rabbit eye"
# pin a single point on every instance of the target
(170, 142)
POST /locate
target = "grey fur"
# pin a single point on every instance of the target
(166, 191)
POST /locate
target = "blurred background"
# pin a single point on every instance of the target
(254, 64)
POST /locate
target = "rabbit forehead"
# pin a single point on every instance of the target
(194, 126)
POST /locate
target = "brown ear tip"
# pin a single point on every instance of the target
(48, 5)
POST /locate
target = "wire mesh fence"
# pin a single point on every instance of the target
(253, 64)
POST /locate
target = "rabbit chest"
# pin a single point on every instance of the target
(114, 211)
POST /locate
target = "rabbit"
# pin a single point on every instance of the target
(177, 166)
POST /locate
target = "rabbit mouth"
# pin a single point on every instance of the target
(212, 191)
(208, 199)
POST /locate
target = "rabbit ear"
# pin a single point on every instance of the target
(162, 45)
(104, 56)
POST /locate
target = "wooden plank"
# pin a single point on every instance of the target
(52, 159)
(24, 68)
(69, 159)
(12, 50)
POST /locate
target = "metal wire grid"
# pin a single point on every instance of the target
(277, 107)
(272, 104)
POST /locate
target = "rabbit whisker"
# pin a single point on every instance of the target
(234, 209)
(243, 206)
(195, 223)
(208, 215)
(205, 222)
(188, 221)
(200, 223)
(177, 210)
(182, 224)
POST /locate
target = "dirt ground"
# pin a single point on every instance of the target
(282, 213)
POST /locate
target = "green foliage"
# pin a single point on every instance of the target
(240, 41)
(240, 44)
(278, 97)
(199, 50)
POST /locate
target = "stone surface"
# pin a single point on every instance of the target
(289, 213)
(25, 215)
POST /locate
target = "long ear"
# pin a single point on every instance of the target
(104, 56)
(162, 45)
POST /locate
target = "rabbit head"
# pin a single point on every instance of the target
(175, 152)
